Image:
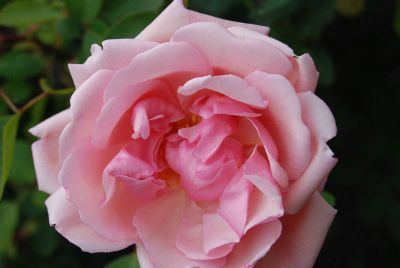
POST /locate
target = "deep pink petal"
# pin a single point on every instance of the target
(283, 118)
(67, 222)
(322, 125)
(176, 16)
(302, 236)
(82, 173)
(254, 245)
(116, 53)
(229, 85)
(229, 54)
(45, 150)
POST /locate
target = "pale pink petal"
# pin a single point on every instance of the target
(158, 222)
(302, 236)
(283, 118)
(254, 245)
(193, 238)
(278, 173)
(321, 123)
(115, 109)
(143, 256)
(305, 75)
(208, 106)
(67, 222)
(159, 62)
(244, 33)
(176, 16)
(45, 150)
(229, 85)
(86, 103)
(116, 53)
(81, 176)
(229, 54)
(265, 202)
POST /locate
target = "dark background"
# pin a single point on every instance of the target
(355, 44)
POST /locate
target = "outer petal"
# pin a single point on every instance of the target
(229, 54)
(254, 245)
(81, 176)
(176, 16)
(45, 150)
(284, 121)
(166, 211)
(302, 236)
(66, 219)
(320, 121)
(305, 74)
(86, 104)
(115, 54)
(163, 60)
(143, 256)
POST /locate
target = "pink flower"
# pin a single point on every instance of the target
(200, 141)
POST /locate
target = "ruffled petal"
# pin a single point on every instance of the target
(176, 16)
(81, 173)
(302, 236)
(116, 53)
(284, 121)
(229, 54)
(229, 85)
(45, 150)
(321, 123)
(254, 245)
(67, 222)
(166, 211)
(163, 60)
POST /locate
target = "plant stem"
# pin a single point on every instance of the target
(33, 101)
(8, 101)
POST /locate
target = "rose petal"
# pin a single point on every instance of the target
(176, 16)
(163, 60)
(229, 85)
(66, 219)
(254, 245)
(86, 103)
(116, 53)
(81, 173)
(232, 55)
(143, 256)
(285, 123)
(244, 33)
(302, 236)
(166, 211)
(321, 122)
(305, 74)
(45, 150)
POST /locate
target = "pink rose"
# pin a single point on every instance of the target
(200, 141)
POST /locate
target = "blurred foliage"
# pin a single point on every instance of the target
(355, 44)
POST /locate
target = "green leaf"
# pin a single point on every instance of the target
(329, 198)
(116, 9)
(20, 65)
(84, 10)
(23, 13)
(22, 170)
(8, 127)
(46, 34)
(126, 261)
(8, 223)
(130, 25)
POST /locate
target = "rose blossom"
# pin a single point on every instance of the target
(200, 141)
